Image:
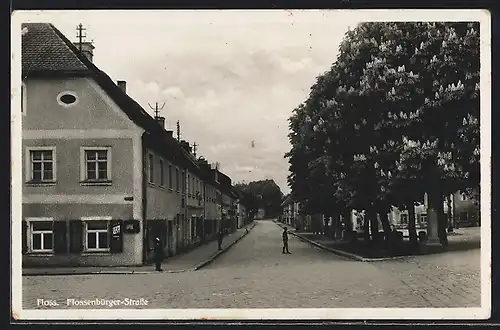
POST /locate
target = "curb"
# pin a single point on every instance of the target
(143, 272)
(219, 253)
(342, 253)
(105, 272)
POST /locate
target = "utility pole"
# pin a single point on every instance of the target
(157, 109)
(194, 149)
(178, 132)
(80, 35)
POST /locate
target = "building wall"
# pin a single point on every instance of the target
(132, 243)
(164, 199)
(94, 120)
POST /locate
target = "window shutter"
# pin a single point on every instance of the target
(76, 236)
(116, 236)
(60, 243)
(25, 236)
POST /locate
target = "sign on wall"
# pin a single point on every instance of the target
(132, 226)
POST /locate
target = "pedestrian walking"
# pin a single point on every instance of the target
(158, 254)
(220, 235)
(285, 241)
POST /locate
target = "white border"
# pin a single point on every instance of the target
(241, 17)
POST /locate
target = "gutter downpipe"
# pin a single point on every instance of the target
(144, 203)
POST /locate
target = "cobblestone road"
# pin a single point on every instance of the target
(254, 274)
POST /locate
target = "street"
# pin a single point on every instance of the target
(255, 274)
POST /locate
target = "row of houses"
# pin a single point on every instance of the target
(101, 177)
(464, 213)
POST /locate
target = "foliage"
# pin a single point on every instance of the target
(265, 194)
(397, 115)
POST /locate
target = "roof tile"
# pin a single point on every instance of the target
(43, 50)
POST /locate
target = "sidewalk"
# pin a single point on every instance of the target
(462, 239)
(189, 261)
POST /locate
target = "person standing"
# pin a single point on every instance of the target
(220, 236)
(285, 241)
(158, 254)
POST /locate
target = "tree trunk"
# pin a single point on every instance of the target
(366, 229)
(442, 221)
(450, 215)
(326, 230)
(412, 229)
(372, 217)
(384, 218)
(347, 218)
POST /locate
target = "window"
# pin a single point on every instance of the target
(95, 164)
(67, 99)
(463, 197)
(177, 180)
(423, 218)
(183, 181)
(41, 164)
(189, 188)
(162, 175)
(170, 183)
(97, 235)
(404, 219)
(151, 168)
(42, 236)
(463, 216)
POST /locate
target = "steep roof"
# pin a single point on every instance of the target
(43, 50)
(47, 52)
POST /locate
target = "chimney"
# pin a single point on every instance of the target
(87, 49)
(161, 121)
(185, 145)
(123, 85)
(170, 133)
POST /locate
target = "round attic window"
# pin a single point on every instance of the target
(66, 99)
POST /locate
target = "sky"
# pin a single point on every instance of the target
(231, 78)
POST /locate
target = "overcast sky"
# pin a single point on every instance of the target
(229, 77)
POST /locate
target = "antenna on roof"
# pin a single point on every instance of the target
(178, 131)
(194, 149)
(157, 109)
(80, 35)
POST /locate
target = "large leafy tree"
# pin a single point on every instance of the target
(396, 116)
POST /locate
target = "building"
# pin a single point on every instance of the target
(242, 214)
(101, 177)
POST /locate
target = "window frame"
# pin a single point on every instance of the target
(170, 180)
(29, 165)
(83, 165)
(162, 173)
(65, 105)
(30, 221)
(151, 168)
(177, 180)
(86, 231)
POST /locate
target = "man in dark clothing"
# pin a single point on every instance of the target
(158, 254)
(285, 241)
(220, 235)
